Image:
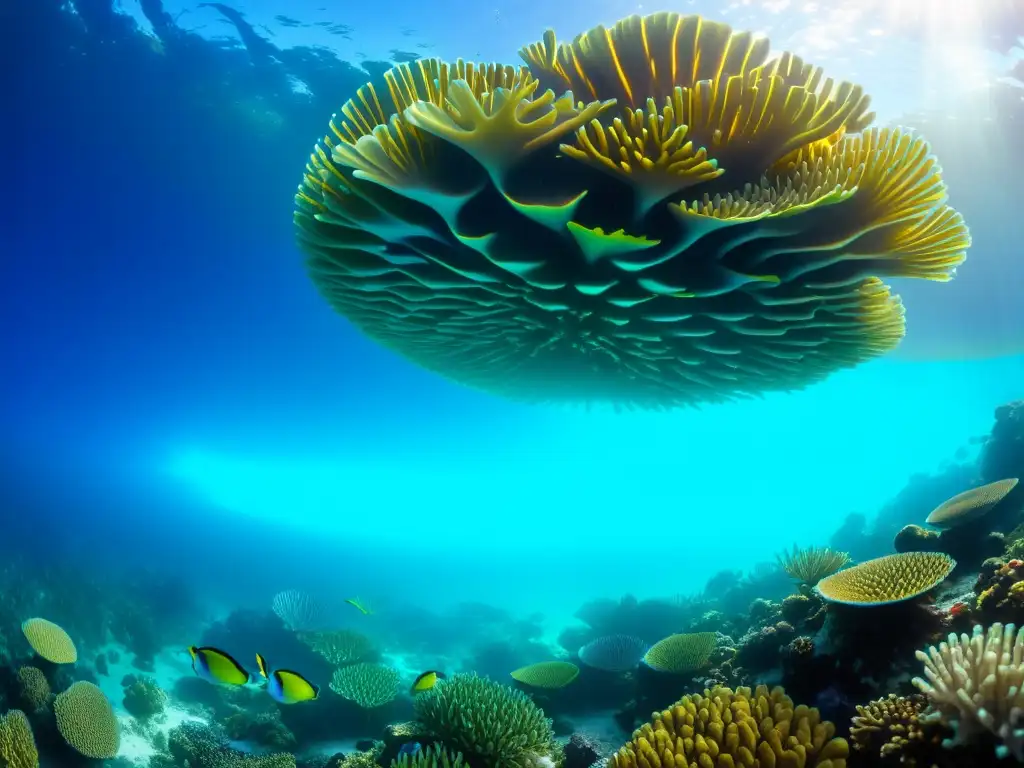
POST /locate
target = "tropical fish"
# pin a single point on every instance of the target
(426, 681)
(217, 667)
(410, 748)
(356, 603)
(286, 686)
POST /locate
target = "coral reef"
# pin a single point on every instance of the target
(492, 725)
(143, 698)
(811, 565)
(734, 728)
(586, 300)
(368, 685)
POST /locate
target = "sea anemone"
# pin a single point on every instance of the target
(689, 221)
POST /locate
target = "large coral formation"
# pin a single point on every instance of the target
(971, 504)
(680, 653)
(86, 720)
(613, 653)
(547, 674)
(368, 685)
(889, 579)
(50, 641)
(725, 728)
(974, 685)
(143, 698)
(690, 221)
(194, 745)
(17, 744)
(492, 725)
(811, 565)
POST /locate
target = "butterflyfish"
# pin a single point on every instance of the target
(217, 667)
(356, 603)
(286, 686)
(426, 681)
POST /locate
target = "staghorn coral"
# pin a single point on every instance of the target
(86, 721)
(342, 646)
(970, 505)
(50, 641)
(33, 688)
(811, 565)
(492, 725)
(889, 579)
(547, 674)
(690, 221)
(681, 653)
(974, 685)
(431, 757)
(613, 653)
(17, 744)
(726, 728)
(368, 685)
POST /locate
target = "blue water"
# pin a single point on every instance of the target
(175, 391)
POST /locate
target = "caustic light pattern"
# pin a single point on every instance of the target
(655, 214)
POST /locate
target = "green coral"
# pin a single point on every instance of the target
(368, 685)
(17, 744)
(491, 724)
(143, 698)
(431, 757)
(342, 646)
(86, 721)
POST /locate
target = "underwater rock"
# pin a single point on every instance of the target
(101, 664)
(582, 751)
(915, 538)
(1003, 453)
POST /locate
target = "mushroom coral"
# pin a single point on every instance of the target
(689, 221)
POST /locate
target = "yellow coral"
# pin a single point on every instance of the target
(86, 721)
(50, 641)
(681, 653)
(889, 579)
(970, 504)
(17, 744)
(886, 725)
(35, 689)
(658, 213)
(547, 674)
(727, 729)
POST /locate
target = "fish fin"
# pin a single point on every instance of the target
(261, 663)
(193, 652)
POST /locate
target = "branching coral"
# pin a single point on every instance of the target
(492, 725)
(725, 728)
(811, 565)
(974, 685)
(143, 698)
(690, 220)
(885, 726)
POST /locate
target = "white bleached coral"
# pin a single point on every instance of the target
(974, 686)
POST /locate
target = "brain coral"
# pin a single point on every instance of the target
(50, 641)
(492, 725)
(724, 729)
(688, 221)
(86, 721)
(17, 744)
(889, 579)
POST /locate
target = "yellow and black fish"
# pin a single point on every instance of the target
(286, 686)
(217, 667)
(426, 681)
